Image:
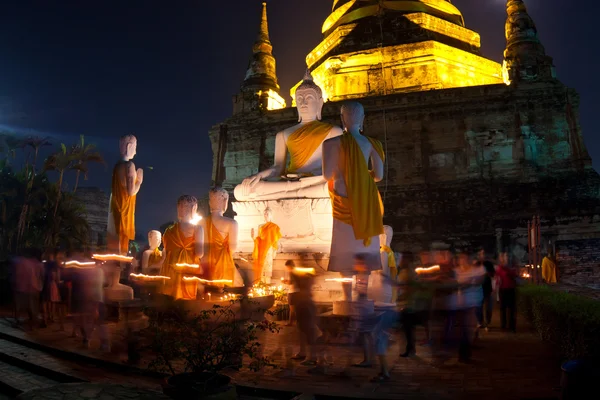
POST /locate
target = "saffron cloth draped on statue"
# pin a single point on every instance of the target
(122, 207)
(180, 250)
(362, 208)
(268, 237)
(154, 257)
(303, 143)
(548, 270)
(220, 260)
(393, 269)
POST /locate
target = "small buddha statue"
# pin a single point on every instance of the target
(265, 248)
(183, 244)
(303, 141)
(356, 203)
(220, 240)
(153, 258)
(126, 182)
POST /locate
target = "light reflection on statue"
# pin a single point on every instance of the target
(356, 203)
(303, 177)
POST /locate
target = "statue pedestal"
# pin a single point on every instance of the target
(115, 291)
(306, 224)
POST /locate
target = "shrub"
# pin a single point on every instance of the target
(569, 321)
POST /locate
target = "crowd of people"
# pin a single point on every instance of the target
(451, 296)
(47, 292)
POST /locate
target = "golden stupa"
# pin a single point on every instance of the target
(380, 47)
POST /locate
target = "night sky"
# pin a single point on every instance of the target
(104, 68)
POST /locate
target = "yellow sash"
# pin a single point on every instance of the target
(180, 250)
(220, 260)
(363, 208)
(303, 143)
(122, 206)
(393, 269)
(549, 270)
(154, 257)
(268, 236)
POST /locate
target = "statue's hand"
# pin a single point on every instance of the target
(139, 175)
(252, 233)
(250, 183)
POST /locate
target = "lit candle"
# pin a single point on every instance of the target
(112, 257)
(209, 296)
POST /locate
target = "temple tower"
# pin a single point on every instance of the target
(524, 58)
(260, 88)
(381, 47)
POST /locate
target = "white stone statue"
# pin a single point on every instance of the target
(220, 240)
(356, 203)
(153, 258)
(126, 182)
(304, 141)
(265, 248)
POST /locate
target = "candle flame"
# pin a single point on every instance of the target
(196, 219)
(187, 265)
(195, 278)
(80, 264)
(112, 257)
(301, 270)
(243, 259)
(148, 277)
(423, 270)
(343, 280)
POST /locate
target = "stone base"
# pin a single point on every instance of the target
(306, 224)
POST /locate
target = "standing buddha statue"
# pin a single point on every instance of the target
(183, 244)
(126, 182)
(356, 202)
(220, 241)
(265, 247)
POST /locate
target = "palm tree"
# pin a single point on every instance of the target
(36, 143)
(60, 162)
(83, 155)
(9, 145)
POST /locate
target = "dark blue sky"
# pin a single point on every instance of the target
(166, 71)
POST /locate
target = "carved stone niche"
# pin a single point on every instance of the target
(306, 224)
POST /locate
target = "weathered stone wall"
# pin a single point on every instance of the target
(467, 166)
(95, 202)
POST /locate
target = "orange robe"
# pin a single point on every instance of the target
(363, 208)
(180, 250)
(304, 141)
(219, 258)
(268, 237)
(122, 207)
(155, 257)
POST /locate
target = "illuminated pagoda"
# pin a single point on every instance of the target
(474, 148)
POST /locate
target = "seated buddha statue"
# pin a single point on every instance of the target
(153, 258)
(220, 241)
(356, 202)
(303, 177)
(183, 244)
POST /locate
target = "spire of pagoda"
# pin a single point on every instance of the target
(525, 58)
(261, 74)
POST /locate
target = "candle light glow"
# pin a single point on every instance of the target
(80, 264)
(148, 277)
(426, 270)
(112, 257)
(195, 278)
(185, 265)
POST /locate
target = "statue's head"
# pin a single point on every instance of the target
(386, 237)
(218, 199)
(268, 214)
(353, 115)
(309, 99)
(128, 146)
(187, 206)
(154, 239)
